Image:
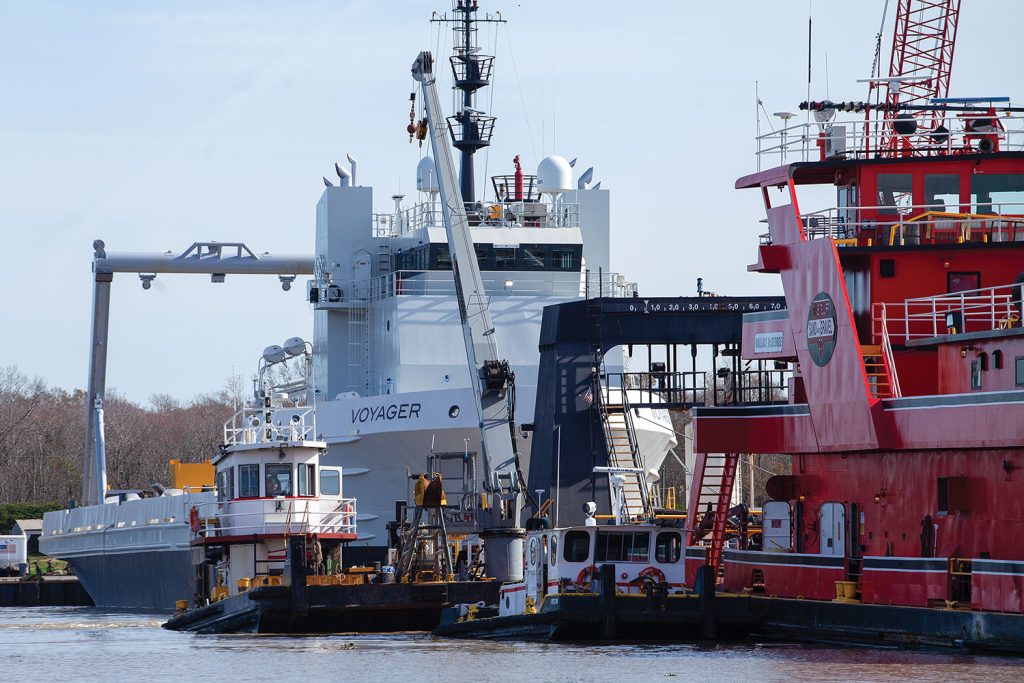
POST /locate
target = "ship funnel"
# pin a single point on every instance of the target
(344, 177)
(585, 179)
(352, 164)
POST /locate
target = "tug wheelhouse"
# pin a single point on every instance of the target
(270, 486)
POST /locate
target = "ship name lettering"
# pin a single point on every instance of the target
(401, 411)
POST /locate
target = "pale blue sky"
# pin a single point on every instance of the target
(155, 124)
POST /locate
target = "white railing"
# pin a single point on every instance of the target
(279, 516)
(250, 426)
(977, 310)
(481, 214)
(919, 224)
(519, 283)
(811, 141)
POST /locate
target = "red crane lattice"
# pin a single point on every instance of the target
(922, 58)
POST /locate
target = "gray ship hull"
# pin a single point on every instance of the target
(144, 580)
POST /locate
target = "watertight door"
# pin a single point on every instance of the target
(776, 526)
(832, 518)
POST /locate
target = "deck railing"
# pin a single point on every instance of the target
(279, 516)
(908, 225)
(976, 310)
(250, 426)
(810, 141)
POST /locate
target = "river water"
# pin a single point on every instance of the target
(79, 644)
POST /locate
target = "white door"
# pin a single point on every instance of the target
(832, 521)
(776, 526)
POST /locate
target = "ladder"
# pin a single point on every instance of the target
(425, 546)
(876, 367)
(623, 451)
(711, 490)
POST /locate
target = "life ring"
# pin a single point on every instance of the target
(652, 574)
(193, 520)
(585, 576)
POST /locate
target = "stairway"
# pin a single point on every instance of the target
(425, 547)
(624, 452)
(714, 475)
(877, 370)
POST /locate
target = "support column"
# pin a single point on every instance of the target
(94, 476)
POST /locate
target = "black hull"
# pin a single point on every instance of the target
(367, 608)
(626, 618)
(889, 625)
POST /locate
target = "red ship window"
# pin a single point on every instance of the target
(1019, 370)
(976, 374)
(997, 359)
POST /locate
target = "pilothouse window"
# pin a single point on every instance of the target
(307, 480)
(615, 546)
(895, 191)
(997, 193)
(279, 479)
(667, 547)
(248, 481)
(330, 482)
(577, 546)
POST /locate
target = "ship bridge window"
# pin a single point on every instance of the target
(895, 191)
(997, 193)
(532, 257)
(942, 192)
(483, 259)
(577, 546)
(248, 481)
(617, 546)
(279, 479)
(504, 258)
(330, 482)
(1018, 369)
(668, 547)
(440, 257)
(563, 259)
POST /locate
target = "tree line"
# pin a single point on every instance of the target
(42, 436)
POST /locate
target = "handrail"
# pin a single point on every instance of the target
(264, 517)
(889, 360)
(976, 310)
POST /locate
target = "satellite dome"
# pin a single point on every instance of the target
(426, 175)
(554, 175)
(294, 346)
(274, 354)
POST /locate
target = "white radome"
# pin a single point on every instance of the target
(554, 175)
(426, 175)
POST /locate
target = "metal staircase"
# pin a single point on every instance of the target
(624, 452)
(876, 366)
(714, 475)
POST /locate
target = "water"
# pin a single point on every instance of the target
(71, 644)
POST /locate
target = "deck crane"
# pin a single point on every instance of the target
(920, 64)
(494, 387)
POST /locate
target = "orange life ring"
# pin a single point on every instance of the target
(651, 574)
(585, 576)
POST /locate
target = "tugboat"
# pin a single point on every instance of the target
(625, 579)
(267, 555)
(901, 522)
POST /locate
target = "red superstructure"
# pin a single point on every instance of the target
(906, 411)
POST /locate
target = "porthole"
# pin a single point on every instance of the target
(453, 412)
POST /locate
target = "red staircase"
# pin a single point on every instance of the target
(713, 479)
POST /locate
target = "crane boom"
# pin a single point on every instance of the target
(921, 62)
(494, 385)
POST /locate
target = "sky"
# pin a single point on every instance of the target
(152, 125)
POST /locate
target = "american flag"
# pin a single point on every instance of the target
(587, 396)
